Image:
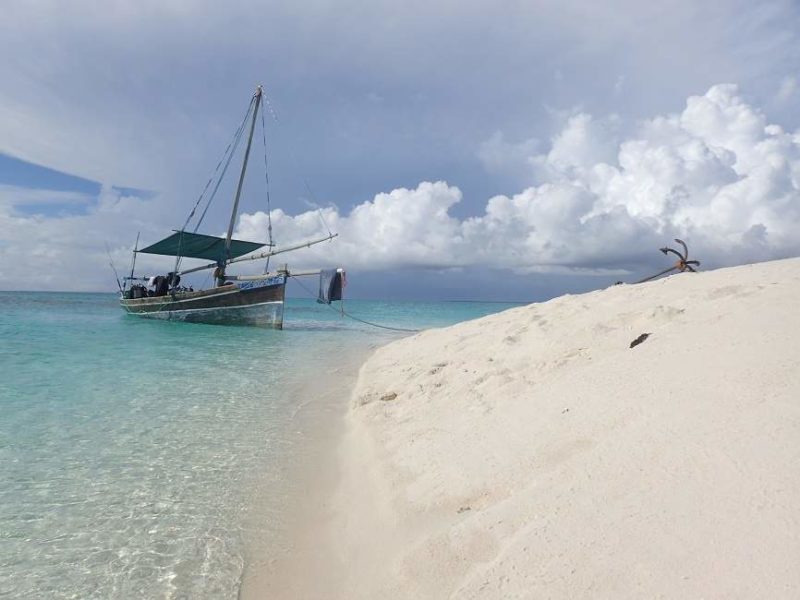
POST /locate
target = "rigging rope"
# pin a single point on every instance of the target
(296, 164)
(234, 142)
(266, 177)
(227, 157)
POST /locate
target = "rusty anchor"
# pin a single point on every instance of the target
(683, 264)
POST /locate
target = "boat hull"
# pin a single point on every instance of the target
(256, 304)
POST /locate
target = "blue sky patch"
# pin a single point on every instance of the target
(41, 191)
(20, 173)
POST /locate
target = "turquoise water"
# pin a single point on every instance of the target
(132, 452)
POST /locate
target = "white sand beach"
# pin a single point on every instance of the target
(535, 454)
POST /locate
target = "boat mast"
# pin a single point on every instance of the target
(257, 99)
(135, 249)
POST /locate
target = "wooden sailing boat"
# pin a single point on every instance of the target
(234, 299)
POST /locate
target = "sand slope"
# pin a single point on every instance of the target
(533, 454)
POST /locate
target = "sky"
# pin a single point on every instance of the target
(499, 150)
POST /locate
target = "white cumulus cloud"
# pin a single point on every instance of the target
(717, 175)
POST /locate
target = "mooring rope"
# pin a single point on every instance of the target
(347, 314)
(343, 312)
(303, 178)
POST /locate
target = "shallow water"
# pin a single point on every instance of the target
(132, 452)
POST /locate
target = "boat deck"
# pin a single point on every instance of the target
(178, 296)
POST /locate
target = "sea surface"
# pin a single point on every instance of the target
(141, 459)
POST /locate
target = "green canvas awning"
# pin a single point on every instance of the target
(197, 245)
